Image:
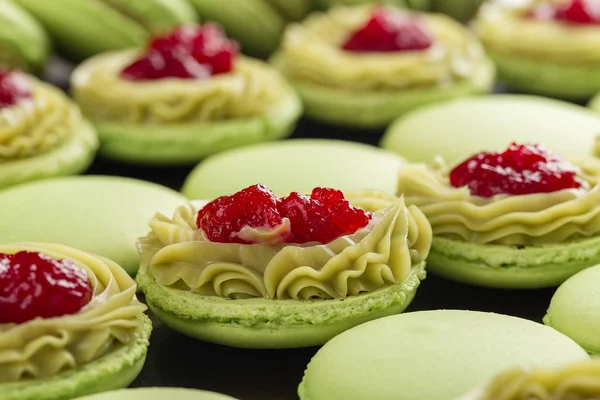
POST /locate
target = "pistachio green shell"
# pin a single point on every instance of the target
(511, 267)
(72, 157)
(378, 109)
(157, 393)
(576, 83)
(292, 10)
(460, 128)
(81, 29)
(116, 370)
(575, 309)
(462, 10)
(323, 4)
(254, 23)
(263, 323)
(23, 42)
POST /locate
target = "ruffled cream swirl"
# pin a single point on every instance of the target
(543, 218)
(311, 52)
(251, 89)
(45, 347)
(37, 125)
(383, 253)
(503, 27)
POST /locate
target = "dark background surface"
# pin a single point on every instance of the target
(176, 360)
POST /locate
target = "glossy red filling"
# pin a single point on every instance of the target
(14, 87)
(579, 12)
(35, 285)
(390, 30)
(322, 216)
(521, 169)
(189, 52)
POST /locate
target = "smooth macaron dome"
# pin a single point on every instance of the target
(458, 128)
(42, 132)
(157, 393)
(574, 309)
(81, 29)
(542, 46)
(257, 24)
(521, 218)
(202, 98)
(285, 277)
(23, 42)
(577, 381)
(346, 77)
(295, 165)
(80, 330)
(100, 214)
(430, 355)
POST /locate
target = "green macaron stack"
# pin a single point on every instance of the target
(459, 128)
(81, 29)
(157, 393)
(301, 165)
(23, 42)
(574, 309)
(256, 24)
(432, 355)
(101, 215)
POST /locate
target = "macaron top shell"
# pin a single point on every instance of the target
(457, 129)
(156, 393)
(575, 309)
(295, 165)
(432, 355)
(98, 214)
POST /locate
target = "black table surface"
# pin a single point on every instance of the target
(178, 361)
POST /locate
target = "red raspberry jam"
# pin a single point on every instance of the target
(321, 217)
(35, 285)
(580, 12)
(521, 169)
(189, 52)
(390, 30)
(14, 86)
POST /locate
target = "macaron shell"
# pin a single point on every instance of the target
(295, 165)
(566, 82)
(575, 309)
(157, 393)
(460, 128)
(101, 215)
(292, 10)
(72, 157)
(22, 34)
(432, 355)
(254, 23)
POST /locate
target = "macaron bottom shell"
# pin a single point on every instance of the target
(177, 144)
(157, 393)
(116, 370)
(508, 267)
(70, 158)
(378, 109)
(262, 323)
(574, 83)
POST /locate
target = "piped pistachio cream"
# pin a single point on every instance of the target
(510, 241)
(43, 136)
(579, 381)
(372, 89)
(180, 119)
(277, 286)
(66, 356)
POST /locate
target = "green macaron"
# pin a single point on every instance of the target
(99, 214)
(462, 127)
(23, 42)
(157, 393)
(81, 29)
(256, 24)
(431, 355)
(574, 309)
(295, 165)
